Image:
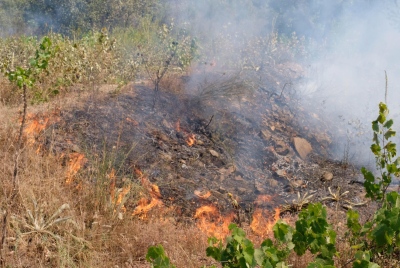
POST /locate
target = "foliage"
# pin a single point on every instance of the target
(381, 235)
(240, 252)
(315, 234)
(164, 48)
(312, 233)
(73, 17)
(156, 256)
(27, 76)
(385, 152)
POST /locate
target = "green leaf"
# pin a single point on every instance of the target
(362, 260)
(382, 235)
(258, 256)
(156, 256)
(376, 149)
(352, 221)
(281, 265)
(392, 168)
(282, 231)
(248, 251)
(388, 124)
(390, 133)
(381, 118)
(267, 243)
(393, 198)
(214, 253)
(375, 126)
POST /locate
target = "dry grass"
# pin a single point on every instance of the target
(54, 224)
(58, 225)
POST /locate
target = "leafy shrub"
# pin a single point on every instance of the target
(381, 235)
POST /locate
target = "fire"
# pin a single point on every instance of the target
(212, 223)
(117, 199)
(76, 161)
(206, 210)
(37, 123)
(191, 139)
(260, 224)
(35, 126)
(144, 204)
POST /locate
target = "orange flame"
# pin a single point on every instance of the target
(76, 161)
(144, 205)
(117, 199)
(211, 223)
(260, 224)
(122, 193)
(36, 124)
(191, 139)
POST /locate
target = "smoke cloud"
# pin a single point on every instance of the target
(349, 45)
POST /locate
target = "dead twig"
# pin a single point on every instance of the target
(209, 122)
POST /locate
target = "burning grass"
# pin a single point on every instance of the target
(111, 213)
(56, 225)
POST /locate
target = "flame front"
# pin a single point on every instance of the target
(76, 161)
(37, 123)
(212, 223)
(261, 225)
(144, 204)
(191, 140)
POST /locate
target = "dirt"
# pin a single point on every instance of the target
(244, 146)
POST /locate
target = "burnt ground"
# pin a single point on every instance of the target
(244, 146)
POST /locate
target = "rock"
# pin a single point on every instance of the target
(199, 142)
(76, 148)
(297, 183)
(239, 178)
(302, 146)
(327, 176)
(213, 153)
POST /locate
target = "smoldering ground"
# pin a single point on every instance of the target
(347, 46)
